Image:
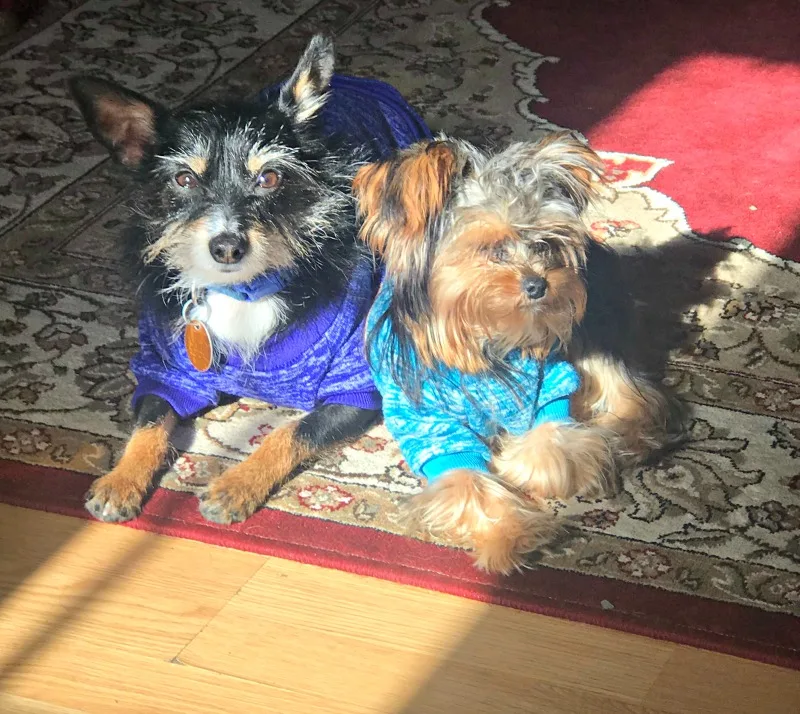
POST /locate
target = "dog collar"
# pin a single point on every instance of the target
(195, 312)
(261, 287)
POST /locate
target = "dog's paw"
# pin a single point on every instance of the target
(228, 499)
(557, 460)
(473, 510)
(109, 501)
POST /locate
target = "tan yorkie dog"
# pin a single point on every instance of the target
(491, 339)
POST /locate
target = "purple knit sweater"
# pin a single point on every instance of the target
(322, 359)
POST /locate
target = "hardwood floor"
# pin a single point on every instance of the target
(102, 619)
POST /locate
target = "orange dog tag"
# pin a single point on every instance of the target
(198, 345)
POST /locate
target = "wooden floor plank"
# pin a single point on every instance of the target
(77, 675)
(374, 651)
(474, 690)
(698, 682)
(116, 586)
(12, 704)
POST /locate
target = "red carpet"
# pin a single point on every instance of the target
(737, 630)
(712, 86)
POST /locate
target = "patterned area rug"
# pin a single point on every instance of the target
(703, 548)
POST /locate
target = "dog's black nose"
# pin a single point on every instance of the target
(534, 288)
(227, 248)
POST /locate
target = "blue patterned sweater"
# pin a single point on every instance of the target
(458, 414)
(322, 360)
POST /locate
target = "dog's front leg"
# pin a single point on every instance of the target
(118, 495)
(237, 493)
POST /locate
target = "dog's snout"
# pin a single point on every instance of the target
(534, 288)
(227, 248)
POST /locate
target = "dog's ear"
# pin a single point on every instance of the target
(562, 167)
(303, 95)
(121, 120)
(401, 202)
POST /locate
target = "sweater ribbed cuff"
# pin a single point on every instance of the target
(370, 399)
(185, 403)
(435, 467)
(557, 410)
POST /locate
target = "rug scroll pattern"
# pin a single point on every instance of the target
(719, 518)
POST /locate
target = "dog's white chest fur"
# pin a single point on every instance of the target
(240, 326)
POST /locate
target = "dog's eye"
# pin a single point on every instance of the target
(500, 252)
(268, 179)
(186, 179)
(539, 248)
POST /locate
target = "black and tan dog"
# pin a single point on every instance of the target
(253, 283)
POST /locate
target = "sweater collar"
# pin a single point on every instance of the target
(258, 288)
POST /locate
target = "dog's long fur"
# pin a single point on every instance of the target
(226, 192)
(469, 238)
